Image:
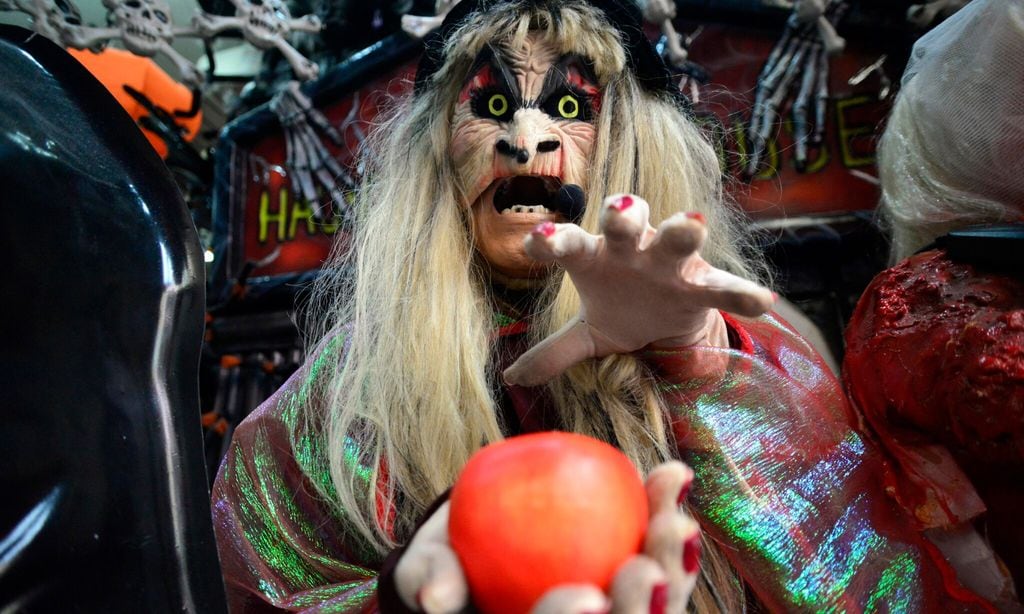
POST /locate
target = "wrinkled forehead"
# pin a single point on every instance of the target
(531, 70)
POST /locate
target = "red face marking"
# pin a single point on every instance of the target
(574, 76)
(482, 79)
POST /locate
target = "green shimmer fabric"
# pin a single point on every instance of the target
(785, 482)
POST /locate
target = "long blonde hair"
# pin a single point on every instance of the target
(414, 394)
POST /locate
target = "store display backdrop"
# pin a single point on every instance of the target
(264, 235)
(733, 57)
(264, 215)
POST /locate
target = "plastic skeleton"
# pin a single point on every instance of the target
(675, 48)
(308, 162)
(48, 18)
(265, 24)
(143, 26)
(691, 74)
(418, 26)
(799, 59)
(878, 66)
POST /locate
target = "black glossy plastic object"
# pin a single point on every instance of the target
(103, 499)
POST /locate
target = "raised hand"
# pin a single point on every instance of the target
(638, 286)
(429, 578)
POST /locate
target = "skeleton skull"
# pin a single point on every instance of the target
(145, 24)
(59, 15)
(264, 21)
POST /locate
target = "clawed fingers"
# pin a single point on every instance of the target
(428, 577)
(667, 486)
(722, 290)
(566, 244)
(640, 587)
(573, 599)
(624, 222)
(673, 538)
(679, 236)
(673, 541)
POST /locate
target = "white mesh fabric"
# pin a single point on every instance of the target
(953, 151)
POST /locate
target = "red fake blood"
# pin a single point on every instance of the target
(935, 362)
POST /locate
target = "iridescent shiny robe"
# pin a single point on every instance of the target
(792, 493)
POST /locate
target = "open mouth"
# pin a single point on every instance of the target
(538, 195)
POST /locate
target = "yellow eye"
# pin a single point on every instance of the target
(497, 105)
(569, 107)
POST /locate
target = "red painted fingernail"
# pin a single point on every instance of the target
(683, 493)
(775, 296)
(691, 554)
(624, 202)
(695, 215)
(659, 598)
(545, 228)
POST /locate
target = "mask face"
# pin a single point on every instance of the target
(523, 128)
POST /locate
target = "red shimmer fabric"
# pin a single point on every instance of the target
(935, 365)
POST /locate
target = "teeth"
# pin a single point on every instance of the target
(525, 209)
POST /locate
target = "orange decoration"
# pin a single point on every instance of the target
(537, 511)
(116, 68)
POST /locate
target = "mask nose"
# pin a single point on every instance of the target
(522, 155)
(519, 154)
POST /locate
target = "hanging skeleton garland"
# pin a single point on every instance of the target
(265, 24)
(799, 60)
(48, 18)
(143, 26)
(308, 163)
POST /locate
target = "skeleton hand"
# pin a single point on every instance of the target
(800, 57)
(307, 159)
(429, 578)
(638, 286)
